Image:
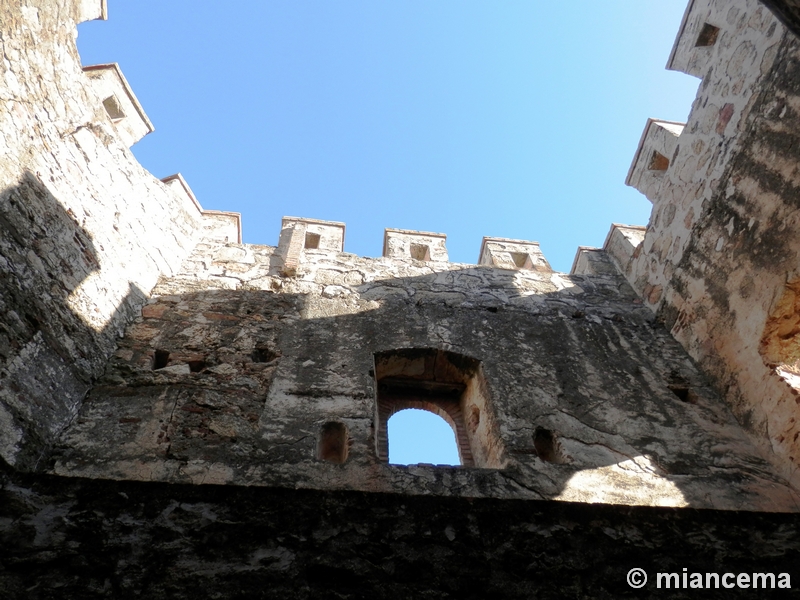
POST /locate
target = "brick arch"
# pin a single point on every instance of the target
(447, 409)
(445, 383)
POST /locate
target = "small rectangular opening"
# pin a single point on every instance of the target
(160, 360)
(113, 108)
(420, 252)
(334, 443)
(312, 241)
(263, 355)
(196, 366)
(708, 36)
(658, 162)
(547, 447)
(521, 260)
(684, 393)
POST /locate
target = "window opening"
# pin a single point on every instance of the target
(708, 36)
(196, 366)
(312, 241)
(420, 252)
(420, 436)
(113, 108)
(658, 162)
(683, 393)
(334, 443)
(263, 355)
(449, 385)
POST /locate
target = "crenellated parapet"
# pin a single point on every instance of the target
(623, 243)
(85, 231)
(301, 234)
(216, 225)
(718, 261)
(91, 10)
(657, 148)
(418, 245)
(119, 102)
(513, 254)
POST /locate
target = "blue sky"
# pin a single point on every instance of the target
(509, 118)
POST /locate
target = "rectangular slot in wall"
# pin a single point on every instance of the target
(521, 260)
(420, 252)
(312, 241)
(113, 108)
(707, 37)
(658, 162)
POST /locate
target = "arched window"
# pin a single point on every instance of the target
(446, 384)
(420, 436)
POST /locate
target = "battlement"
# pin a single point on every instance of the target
(217, 225)
(301, 234)
(657, 147)
(119, 102)
(91, 10)
(512, 254)
(417, 245)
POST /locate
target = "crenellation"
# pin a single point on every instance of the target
(91, 10)
(318, 235)
(592, 261)
(221, 226)
(622, 244)
(657, 147)
(694, 47)
(512, 254)
(299, 235)
(423, 246)
(119, 102)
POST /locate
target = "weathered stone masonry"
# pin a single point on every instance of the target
(182, 414)
(721, 249)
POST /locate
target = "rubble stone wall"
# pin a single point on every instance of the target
(721, 246)
(234, 370)
(85, 231)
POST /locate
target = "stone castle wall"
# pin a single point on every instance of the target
(234, 370)
(184, 415)
(85, 231)
(721, 251)
(244, 355)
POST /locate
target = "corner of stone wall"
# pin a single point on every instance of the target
(85, 230)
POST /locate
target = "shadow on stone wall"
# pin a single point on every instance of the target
(250, 376)
(49, 353)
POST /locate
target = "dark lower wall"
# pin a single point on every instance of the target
(78, 538)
